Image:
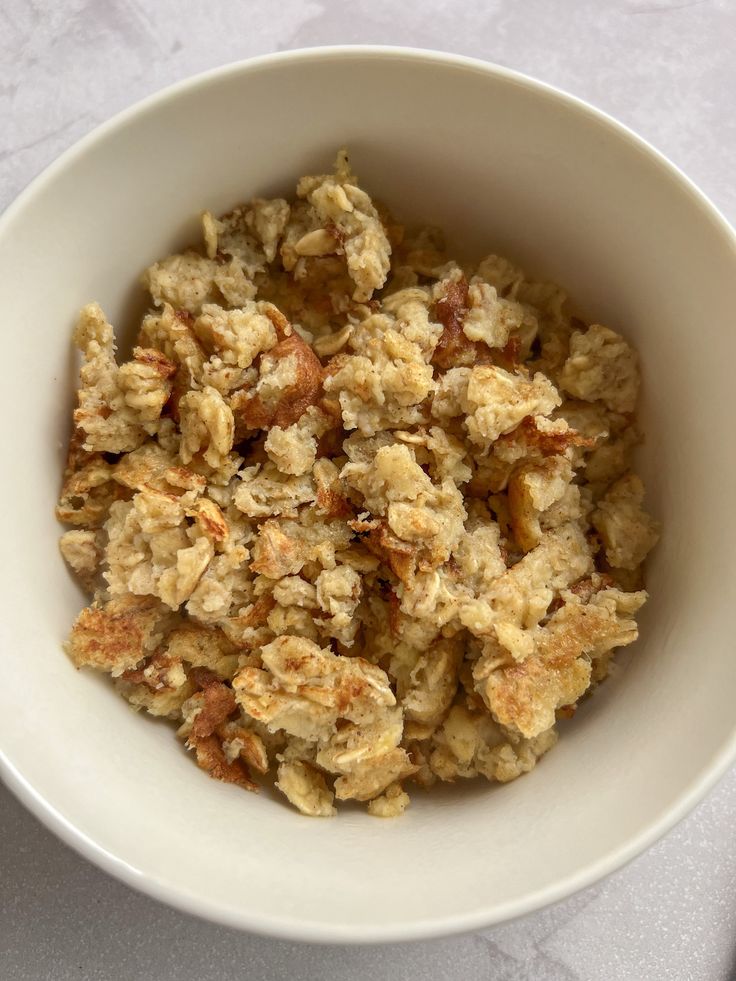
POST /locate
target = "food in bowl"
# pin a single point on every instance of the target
(353, 514)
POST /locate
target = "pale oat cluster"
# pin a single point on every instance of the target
(353, 515)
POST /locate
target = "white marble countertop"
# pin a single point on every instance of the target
(665, 67)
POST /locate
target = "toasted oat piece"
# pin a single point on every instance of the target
(190, 281)
(427, 517)
(152, 551)
(387, 379)
(284, 546)
(338, 593)
(266, 491)
(492, 401)
(601, 365)
(475, 320)
(207, 427)
(244, 742)
(426, 681)
(517, 600)
(88, 489)
(392, 803)
(526, 695)
(293, 449)
(343, 219)
(289, 382)
(533, 489)
(153, 467)
(470, 743)
(82, 551)
(249, 233)
(233, 339)
(211, 758)
(304, 689)
(373, 775)
(306, 789)
(627, 531)
(114, 411)
(117, 636)
(159, 685)
(202, 647)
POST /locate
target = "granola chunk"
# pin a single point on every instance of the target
(417, 511)
(293, 449)
(191, 280)
(344, 220)
(470, 744)
(385, 381)
(82, 552)
(106, 417)
(526, 694)
(234, 339)
(306, 789)
(115, 636)
(392, 802)
(207, 427)
(289, 382)
(601, 365)
(627, 531)
(305, 689)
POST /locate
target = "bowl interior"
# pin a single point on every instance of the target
(505, 166)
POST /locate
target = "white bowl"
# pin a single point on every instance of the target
(507, 165)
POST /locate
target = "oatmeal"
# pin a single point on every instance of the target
(353, 516)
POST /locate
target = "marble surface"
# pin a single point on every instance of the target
(666, 68)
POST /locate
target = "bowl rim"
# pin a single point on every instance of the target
(285, 927)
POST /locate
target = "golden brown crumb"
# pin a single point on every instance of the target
(306, 789)
(116, 636)
(211, 758)
(218, 703)
(282, 402)
(392, 803)
(450, 310)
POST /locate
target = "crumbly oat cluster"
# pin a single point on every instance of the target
(353, 515)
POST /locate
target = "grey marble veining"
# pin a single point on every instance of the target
(666, 68)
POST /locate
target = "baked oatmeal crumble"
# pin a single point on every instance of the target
(353, 515)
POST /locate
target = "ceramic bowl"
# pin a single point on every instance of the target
(505, 164)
